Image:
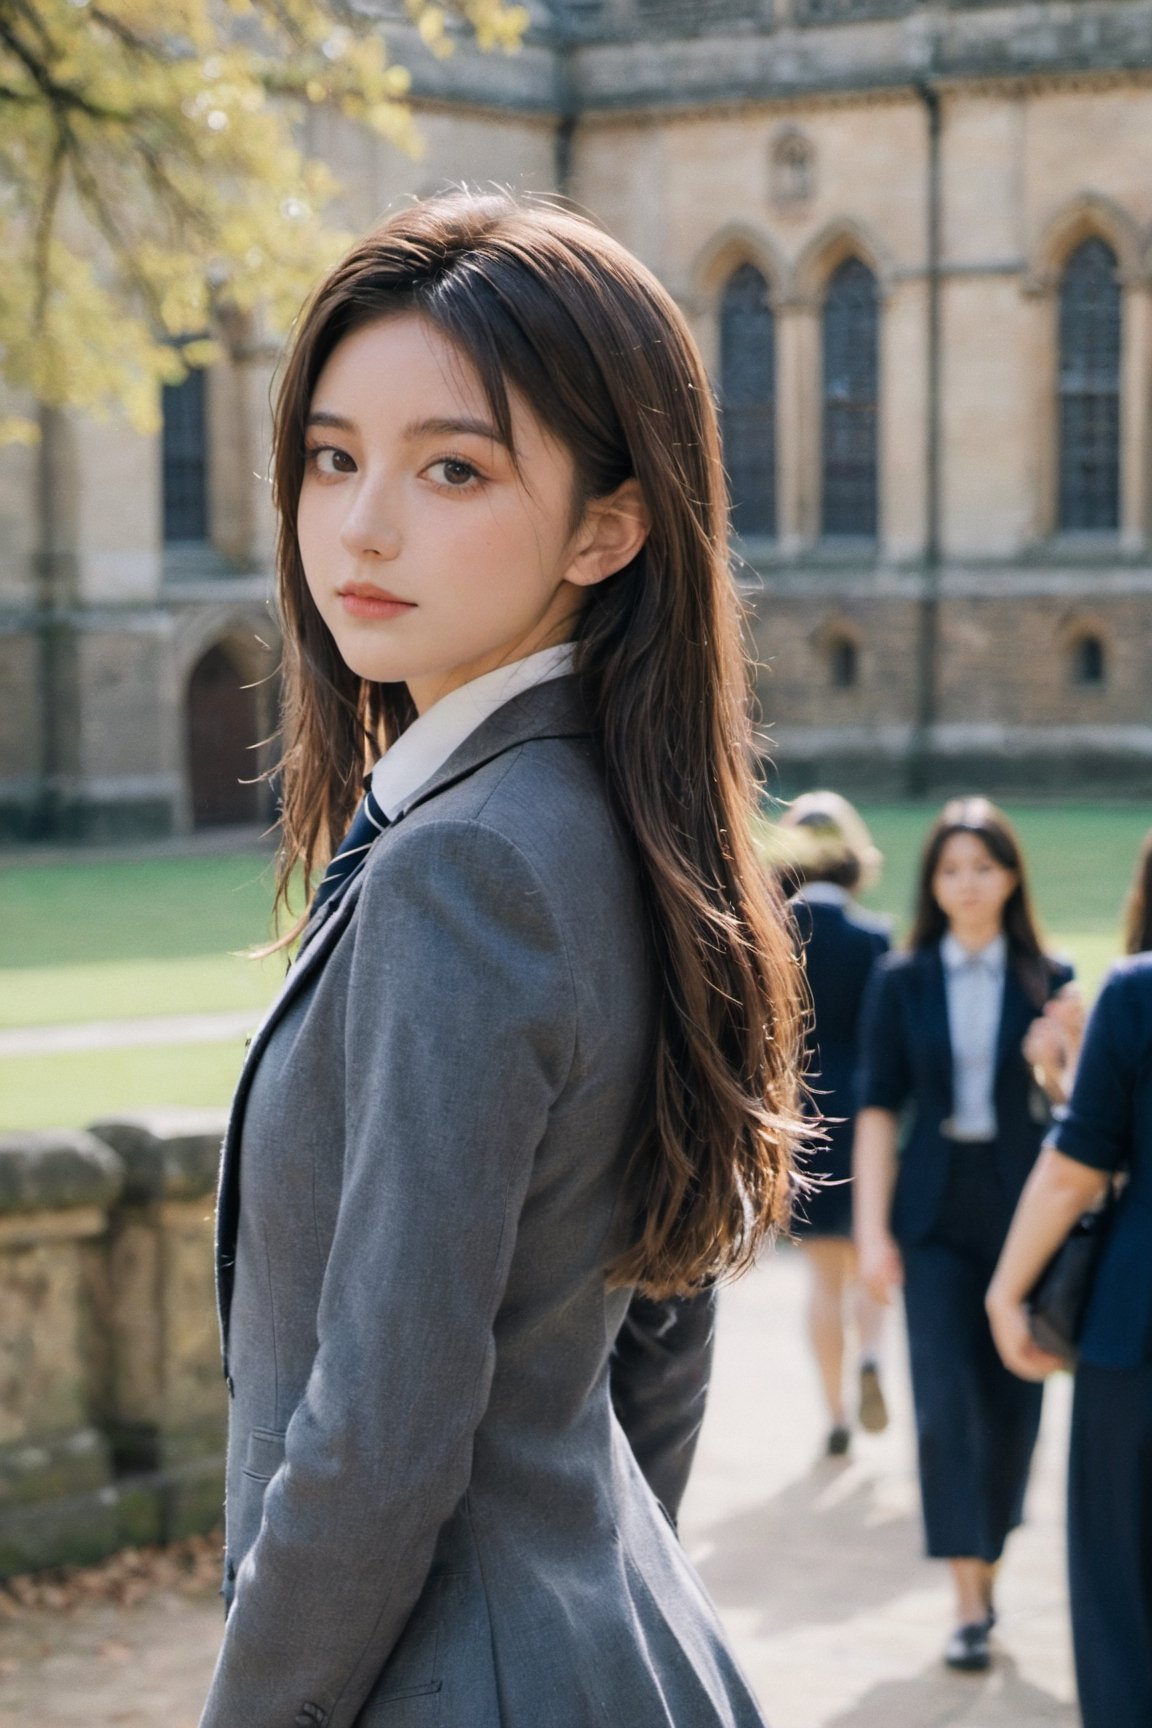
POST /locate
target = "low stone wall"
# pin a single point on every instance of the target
(112, 1406)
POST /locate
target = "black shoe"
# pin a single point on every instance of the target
(838, 1441)
(873, 1409)
(967, 1649)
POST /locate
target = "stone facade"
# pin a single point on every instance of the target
(961, 151)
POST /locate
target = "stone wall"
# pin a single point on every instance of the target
(112, 1405)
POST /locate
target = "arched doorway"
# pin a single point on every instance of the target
(223, 723)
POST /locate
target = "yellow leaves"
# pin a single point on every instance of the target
(183, 195)
(493, 23)
(433, 27)
(15, 429)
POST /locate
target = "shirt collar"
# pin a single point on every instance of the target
(823, 894)
(992, 959)
(438, 733)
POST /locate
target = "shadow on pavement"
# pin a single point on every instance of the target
(936, 1699)
(776, 1555)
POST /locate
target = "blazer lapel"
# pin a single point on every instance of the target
(307, 963)
(1016, 1015)
(936, 1030)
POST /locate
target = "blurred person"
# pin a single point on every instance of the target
(539, 1048)
(945, 1025)
(1053, 1042)
(1138, 906)
(827, 855)
(1106, 1132)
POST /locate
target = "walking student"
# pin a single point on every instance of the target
(1106, 1132)
(945, 1026)
(539, 1046)
(829, 854)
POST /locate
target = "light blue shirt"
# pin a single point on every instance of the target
(974, 987)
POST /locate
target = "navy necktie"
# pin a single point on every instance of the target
(367, 824)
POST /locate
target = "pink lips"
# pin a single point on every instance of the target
(362, 600)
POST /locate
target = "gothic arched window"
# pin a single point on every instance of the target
(843, 663)
(1089, 388)
(851, 370)
(185, 446)
(1089, 661)
(748, 399)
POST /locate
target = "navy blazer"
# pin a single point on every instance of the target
(841, 946)
(906, 1065)
(1108, 1125)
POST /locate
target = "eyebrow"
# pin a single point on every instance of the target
(417, 428)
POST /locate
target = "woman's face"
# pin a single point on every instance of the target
(430, 555)
(970, 887)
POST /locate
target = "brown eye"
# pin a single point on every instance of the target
(326, 459)
(452, 471)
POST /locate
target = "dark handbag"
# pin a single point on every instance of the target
(1057, 1302)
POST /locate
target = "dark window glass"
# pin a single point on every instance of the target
(851, 354)
(844, 663)
(185, 460)
(1088, 663)
(748, 400)
(1090, 390)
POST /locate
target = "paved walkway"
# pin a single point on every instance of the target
(125, 1034)
(815, 1565)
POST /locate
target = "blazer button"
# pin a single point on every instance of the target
(228, 1381)
(311, 1716)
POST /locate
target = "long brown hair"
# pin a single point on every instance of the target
(992, 828)
(1138, 906)
(542, 303)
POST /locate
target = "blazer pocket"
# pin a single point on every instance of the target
(414, 1669)
(265, 1454)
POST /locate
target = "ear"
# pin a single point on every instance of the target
(610, 535)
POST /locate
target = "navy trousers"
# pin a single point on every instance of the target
(1110, 1544)
(976, 1423)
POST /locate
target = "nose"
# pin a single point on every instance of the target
(371, 527)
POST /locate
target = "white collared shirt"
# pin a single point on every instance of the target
(823, 894)
(434, 735)
(974, 987)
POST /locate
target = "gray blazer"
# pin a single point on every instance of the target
(433, 1515)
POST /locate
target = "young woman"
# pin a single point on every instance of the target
(539, 1044)
(1107, 1130)
(944, 1032)
(828, 854)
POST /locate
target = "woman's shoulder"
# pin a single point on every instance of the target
(1133, 971)
(535, 818)
(877, 928)
(1129, 982)
(1060, 970)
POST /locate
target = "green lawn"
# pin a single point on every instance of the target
(1080, 858)
(110, 940)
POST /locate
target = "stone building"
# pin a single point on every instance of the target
(915, 243)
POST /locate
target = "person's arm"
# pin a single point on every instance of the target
(460, 1035)
(1057, 1191)
(1070, 1175)
(659, 1377)
(883, 1087)
(874, 1178)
